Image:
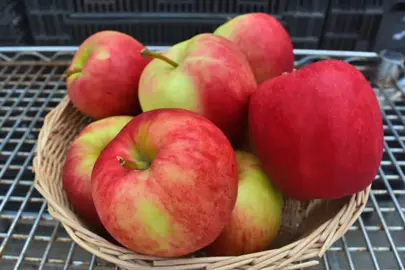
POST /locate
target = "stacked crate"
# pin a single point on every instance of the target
(304, 20)
(392, 30)
(164, 22)
(353, 25)
(13, 27)
(312, 24)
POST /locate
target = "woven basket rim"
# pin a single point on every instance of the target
(309, 248)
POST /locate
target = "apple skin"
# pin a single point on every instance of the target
(256, 218)
(79, 162)
(213, 78)
(263, 40)
(184, 191)
(104, 74)
(318, 131)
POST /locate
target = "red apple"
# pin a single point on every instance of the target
(103, 77)
(80, 159)
(256, 218)
(167, 184)
(206, 74)
(263, 40)
(318, 131)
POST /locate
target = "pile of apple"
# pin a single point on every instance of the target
(194, 148)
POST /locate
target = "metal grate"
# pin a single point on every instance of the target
(31, 85)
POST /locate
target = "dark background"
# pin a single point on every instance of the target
(361, 25)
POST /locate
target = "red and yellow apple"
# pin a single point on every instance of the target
(103, 77)
(263, 40)
(167, 184)
(206, 74)
(318, 131)
(256, 218)
(79, 162)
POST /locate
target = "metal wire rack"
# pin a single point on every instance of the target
(31, 85)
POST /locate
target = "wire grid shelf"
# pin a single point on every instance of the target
(31, 85)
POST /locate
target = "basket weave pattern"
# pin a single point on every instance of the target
(308, 228)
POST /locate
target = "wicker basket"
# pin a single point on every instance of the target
(308, 228)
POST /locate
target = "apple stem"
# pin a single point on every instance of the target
(134, 165)
(69, 72)
(147, 53)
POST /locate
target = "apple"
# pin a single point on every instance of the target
(206, 74)
(256, 217)
(79, 162)
(318, 131)
(263, 40)
(103, 77)
(167, 184)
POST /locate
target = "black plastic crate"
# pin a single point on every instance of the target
(305, 31)
(306, 6)
(13, 30)
(352, 29)
(304, 26)
(348, 42)
(361, 5)
(364, 26)
(305, 42)
(354, 25)
(392, 31)
(304, 21)
(163, 22)
(59, 30)
(148, 31)
(156, 6)
(185, 6)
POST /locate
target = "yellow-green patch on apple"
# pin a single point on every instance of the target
(206, 74)
(103, 78)
(256, 218)
(167, 184)
(80, 159)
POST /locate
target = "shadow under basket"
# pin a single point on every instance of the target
(308, 228)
